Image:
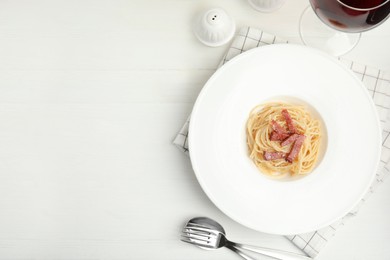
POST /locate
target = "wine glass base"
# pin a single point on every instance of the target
(316, 34)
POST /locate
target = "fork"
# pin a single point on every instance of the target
(205, 237)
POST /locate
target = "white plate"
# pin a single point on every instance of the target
(218, 150)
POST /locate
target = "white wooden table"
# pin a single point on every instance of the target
(92, 93)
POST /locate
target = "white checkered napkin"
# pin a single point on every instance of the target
(378, 85)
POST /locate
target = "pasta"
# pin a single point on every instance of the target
(273, 135)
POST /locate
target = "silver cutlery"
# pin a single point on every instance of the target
(209, 234)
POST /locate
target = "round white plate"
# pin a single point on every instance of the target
(351, 143)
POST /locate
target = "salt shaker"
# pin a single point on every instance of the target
(266, 6)
(214, 27)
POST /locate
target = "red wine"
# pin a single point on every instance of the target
(362, 4)
(352, 15)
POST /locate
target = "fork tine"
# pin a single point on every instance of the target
(192, 242)
(195, 233)
(200, 229)
(197, 230)
(191, 224)
(195, 238)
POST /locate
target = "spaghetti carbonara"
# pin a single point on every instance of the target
(283, 139)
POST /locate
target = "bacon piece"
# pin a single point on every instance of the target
(275, 136)
(269, 156)
(290, 124)
(296, 148)
(279, 133)
(289, 140)
(278, 128)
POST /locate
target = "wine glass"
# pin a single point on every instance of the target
(340, 23)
